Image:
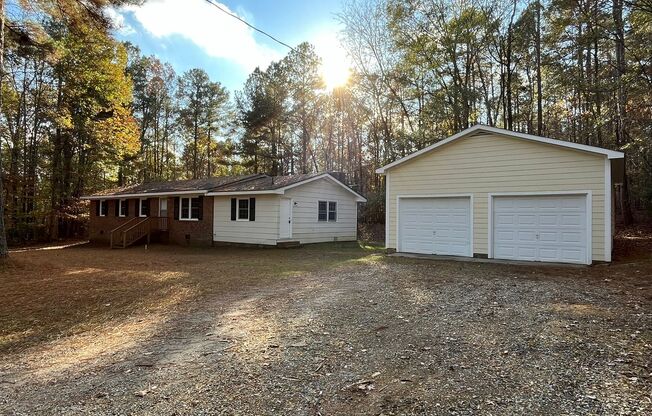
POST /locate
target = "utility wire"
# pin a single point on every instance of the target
(235, 16)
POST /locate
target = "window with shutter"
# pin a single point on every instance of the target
(243, 209)
(122, 207)
(143, 207)
(190, 208)
(104, 208)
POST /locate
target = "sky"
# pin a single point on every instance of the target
(193, 34)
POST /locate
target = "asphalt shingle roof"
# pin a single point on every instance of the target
(238, 183)
(264, 183)
(176, 186)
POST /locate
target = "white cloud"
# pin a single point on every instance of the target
(118, 21)
(216, 33)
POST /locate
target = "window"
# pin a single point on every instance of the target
(323, 212)
(122, 208)
(243, 210)
(143, 207)
(327, 211)
(332, 211)
(189, 209)
(104, 208)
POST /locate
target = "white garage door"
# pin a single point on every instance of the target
(435, 226)
(540, 228)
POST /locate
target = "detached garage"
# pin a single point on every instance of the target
(489, 192)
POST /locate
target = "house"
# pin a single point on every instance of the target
(248, 209)
(489, 192)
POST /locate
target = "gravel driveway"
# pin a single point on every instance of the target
(365, 335)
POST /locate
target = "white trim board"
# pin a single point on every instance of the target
(464, 195)
(608, 238)
(589, 217)
(611, 154)
(387, 180)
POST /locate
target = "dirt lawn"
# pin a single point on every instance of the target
(324, 329)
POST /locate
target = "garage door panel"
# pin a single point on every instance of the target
(572, 237)
(548, 219)
(573, 255)
(506, 219)
(545, 228)
(525, 236)
(526, 219)
(435, 226)
(572, 219)
(526, 252)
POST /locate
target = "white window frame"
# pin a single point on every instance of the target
(189, 217)
(140, 207)
(102, 202)
(237, 211)
(328, 211)
(120, 204)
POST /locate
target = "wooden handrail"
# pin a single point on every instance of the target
(136, 231)
(119, 227)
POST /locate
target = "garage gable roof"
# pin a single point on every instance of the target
(611, 154)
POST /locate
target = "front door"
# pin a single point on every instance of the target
(285, 219)
(163, 207)
(163, 213)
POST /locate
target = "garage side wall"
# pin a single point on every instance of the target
(306, 228)
(484, 164)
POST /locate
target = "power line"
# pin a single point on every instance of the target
(235, 16)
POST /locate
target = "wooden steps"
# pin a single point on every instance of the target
(137, 229)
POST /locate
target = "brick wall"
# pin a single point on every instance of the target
(180, 232)
(192, 232)
(99, 228)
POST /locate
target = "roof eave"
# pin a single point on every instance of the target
(232, 193)
(145, 194)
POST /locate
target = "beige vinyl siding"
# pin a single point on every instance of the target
(262, 231)
(306, 228)
(492, 163)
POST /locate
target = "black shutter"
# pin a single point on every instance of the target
(176, 208)
(252, 209)
(234, 208)
(148, 204)
(97, 207)
(126, 207)
(200, 214)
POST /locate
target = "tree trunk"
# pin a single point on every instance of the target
(4, 250)
(538, 63)
(621, 101)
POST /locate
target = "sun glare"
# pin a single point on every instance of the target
(335, 64)
(335, 74)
